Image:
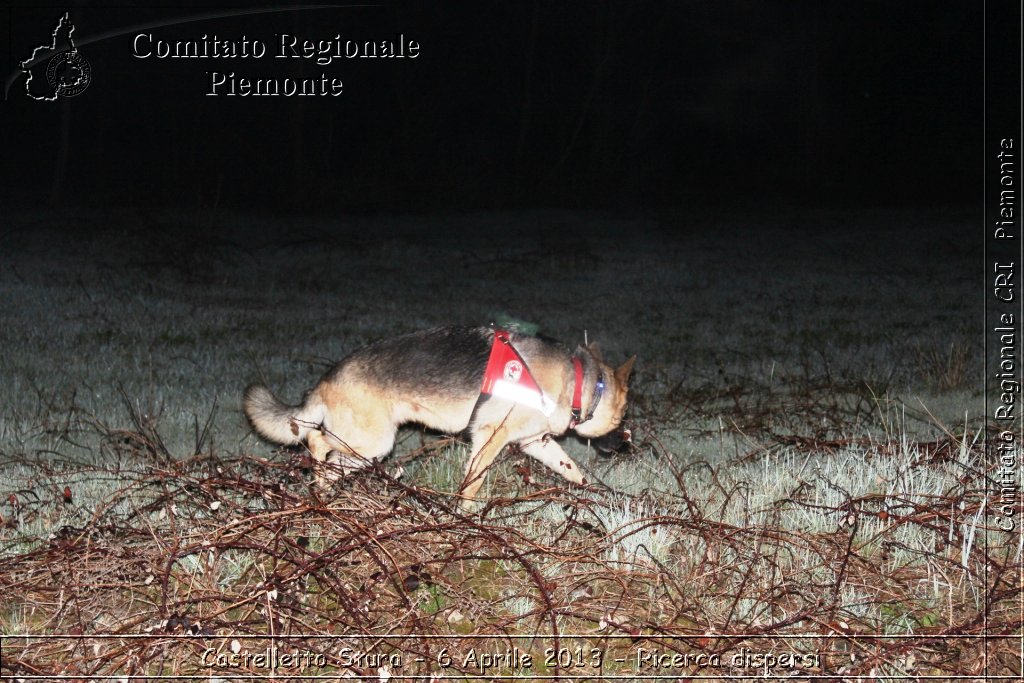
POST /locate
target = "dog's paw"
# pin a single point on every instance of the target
(570, 471)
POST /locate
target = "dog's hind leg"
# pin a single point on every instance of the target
(320, 447)
(336, 457)
(551, 454)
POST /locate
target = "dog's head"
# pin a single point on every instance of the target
(612, 405)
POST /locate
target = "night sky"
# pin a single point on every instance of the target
(620, 106)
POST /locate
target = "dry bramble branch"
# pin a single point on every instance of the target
(189, 562)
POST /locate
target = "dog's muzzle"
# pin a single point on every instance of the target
(616, 441)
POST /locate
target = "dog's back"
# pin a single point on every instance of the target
(441, 362)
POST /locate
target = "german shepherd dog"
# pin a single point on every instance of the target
(500, 387)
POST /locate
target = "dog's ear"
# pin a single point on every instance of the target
(595, 350)
(622, 372)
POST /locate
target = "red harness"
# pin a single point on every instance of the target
(506, 365)
(508, 376)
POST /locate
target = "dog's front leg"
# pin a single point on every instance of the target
(486, 446)
(551, 454)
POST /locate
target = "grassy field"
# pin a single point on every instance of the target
(806, 493)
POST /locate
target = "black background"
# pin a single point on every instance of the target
(629, 107)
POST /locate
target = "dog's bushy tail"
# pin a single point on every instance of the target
(276, 421)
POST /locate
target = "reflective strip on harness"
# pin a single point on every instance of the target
(508, 377)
